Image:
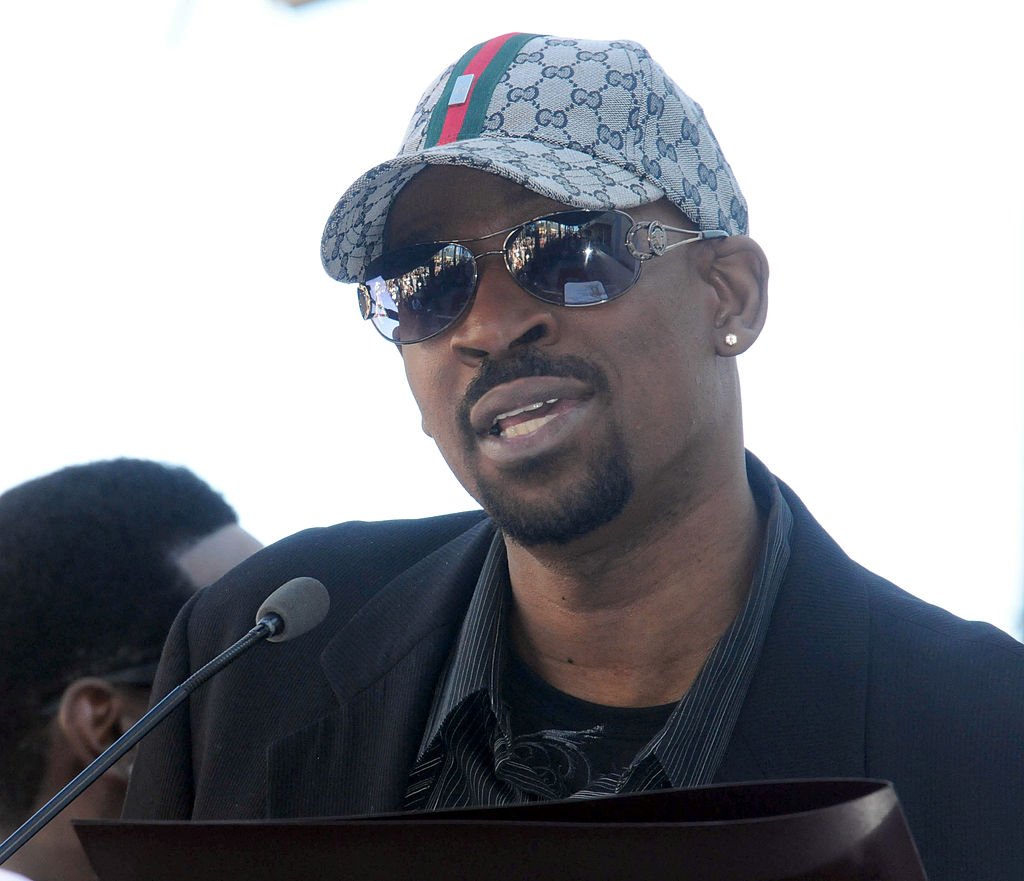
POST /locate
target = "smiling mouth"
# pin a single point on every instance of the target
(523, 420)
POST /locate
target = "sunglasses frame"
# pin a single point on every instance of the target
(645, 240)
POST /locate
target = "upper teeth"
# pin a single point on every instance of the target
(526, 409)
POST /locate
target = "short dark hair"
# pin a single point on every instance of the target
(88, 586)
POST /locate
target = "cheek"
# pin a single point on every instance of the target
(438, 386)
(420, 384)
(433, 389)
(658, 346)
(662, 365)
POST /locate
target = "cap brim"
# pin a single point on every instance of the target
(354, 232)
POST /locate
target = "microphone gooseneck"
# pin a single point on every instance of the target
(296, 607)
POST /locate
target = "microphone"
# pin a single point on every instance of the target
(296, 607)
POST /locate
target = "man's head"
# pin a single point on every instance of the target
(563, 422)
(585, 123)
(95, 561)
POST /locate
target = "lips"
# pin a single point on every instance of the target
(522, 406)
(523, 420)
(521, 411)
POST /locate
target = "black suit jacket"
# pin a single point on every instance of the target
(856, 678)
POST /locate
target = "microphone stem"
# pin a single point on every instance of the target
(269, 625)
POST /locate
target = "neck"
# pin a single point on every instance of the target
(627, 621)
(54, 853)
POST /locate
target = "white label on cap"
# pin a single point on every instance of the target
(461, 91)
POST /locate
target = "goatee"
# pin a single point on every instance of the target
(596, 497)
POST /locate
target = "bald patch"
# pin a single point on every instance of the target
(216, 554)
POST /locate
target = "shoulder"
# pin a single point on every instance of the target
(945, 722)
(203, 762)
(900, 621)
(920, 655)
(354, 561)
(964, 673)
(898, 617)
(935, 633)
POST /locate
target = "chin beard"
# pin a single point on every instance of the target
(595, 499)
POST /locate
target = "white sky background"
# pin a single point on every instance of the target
(168, 167)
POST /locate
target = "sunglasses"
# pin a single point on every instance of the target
(569, 258)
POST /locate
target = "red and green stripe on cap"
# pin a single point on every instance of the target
(461, 110)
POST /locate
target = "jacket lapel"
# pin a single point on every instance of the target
(382, 667)
(804, 715)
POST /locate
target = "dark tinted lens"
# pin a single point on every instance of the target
(417, 292)
(574, 258)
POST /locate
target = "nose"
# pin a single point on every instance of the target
(503, 316)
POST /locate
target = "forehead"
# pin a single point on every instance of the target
(445, 202)
(451, 202)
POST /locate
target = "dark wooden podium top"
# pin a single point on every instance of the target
(826, 830)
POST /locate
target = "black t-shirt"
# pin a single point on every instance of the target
(570, 742)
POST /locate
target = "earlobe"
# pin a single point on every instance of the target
(738, 272)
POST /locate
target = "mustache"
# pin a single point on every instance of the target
(523, 363)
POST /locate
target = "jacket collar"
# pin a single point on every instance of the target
(382, 666)
(804, 715)
(430, 595)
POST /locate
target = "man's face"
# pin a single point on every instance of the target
(564, 422)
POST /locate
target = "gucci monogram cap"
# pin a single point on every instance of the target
(589, 123)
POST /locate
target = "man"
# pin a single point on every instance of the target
(560, 254)
(95, 561)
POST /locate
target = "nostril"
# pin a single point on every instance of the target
(535, 333)
(471, 355)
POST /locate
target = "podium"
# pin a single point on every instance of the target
(826, 830)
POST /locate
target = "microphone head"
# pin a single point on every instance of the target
(301, 604)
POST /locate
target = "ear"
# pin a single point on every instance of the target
(738, 272)
(92, 715)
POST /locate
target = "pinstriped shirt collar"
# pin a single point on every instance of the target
(476, 663)
(689, 749)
